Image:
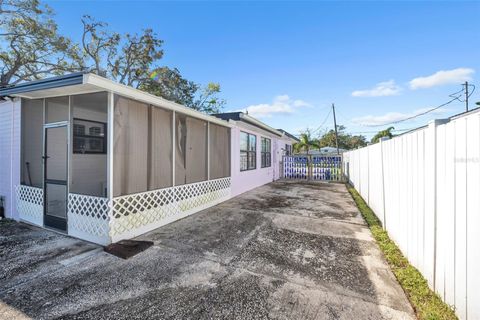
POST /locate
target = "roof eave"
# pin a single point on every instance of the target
(259, 124)
(49, 83)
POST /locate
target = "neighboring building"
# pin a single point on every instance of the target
(289, 147)
(257, 151)
(103, 162)
(326, 151)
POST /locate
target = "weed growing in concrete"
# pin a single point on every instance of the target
(427, 304)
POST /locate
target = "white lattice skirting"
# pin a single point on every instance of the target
(88, 218)
(102, 221)
(138, 213)
(30, 204)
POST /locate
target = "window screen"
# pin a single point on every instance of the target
(130, 147)
(89, 133)
(160, 148)
(32, 143)
(219, 151)
(57, 109)
(248, 151)
(190, 149)
(266, 153)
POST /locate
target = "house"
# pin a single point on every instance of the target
(257, 151)
(293, 139)
(101, 161)
(326, 151)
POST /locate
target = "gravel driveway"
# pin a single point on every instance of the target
(282, 251)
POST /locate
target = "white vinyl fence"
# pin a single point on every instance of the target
(425, 188)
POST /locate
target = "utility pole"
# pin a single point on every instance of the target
(466, 95)
(335, 124)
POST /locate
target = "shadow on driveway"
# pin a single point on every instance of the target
(282, 251)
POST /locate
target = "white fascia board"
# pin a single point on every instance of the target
(135, 94)
(251, 128)
(260, 124)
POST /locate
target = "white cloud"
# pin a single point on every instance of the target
(455, 76)
(392, 117)
(281, 104)
(382, 89)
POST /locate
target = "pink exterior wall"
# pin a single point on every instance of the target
(243, 181)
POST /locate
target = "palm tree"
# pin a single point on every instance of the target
(306, 142)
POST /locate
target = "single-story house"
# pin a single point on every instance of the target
(257, 151)
(103, 162)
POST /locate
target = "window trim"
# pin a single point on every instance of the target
(248, 152)
(265, 153)
(104, 124)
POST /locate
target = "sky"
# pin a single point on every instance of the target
(287, 62)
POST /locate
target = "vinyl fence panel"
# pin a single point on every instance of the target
(424, 186)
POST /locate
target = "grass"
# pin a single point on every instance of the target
(426, 303)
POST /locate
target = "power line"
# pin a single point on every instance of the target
(324, 121)
(365, 132)
(411, 117)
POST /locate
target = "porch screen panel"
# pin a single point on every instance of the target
(32, 143)
(196, 157)
(57, 109)
(161, 148)
(180, 148)
(130, 149)
(89, 143)
(190, 150)
(219, 151)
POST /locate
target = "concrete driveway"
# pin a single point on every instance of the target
(282, 251)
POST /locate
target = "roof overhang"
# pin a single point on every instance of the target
(81, 83)
(259, 124)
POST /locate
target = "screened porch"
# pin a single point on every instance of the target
(104, 167)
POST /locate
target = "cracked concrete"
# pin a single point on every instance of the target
(286, 250)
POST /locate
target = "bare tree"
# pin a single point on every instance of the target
(30, 46)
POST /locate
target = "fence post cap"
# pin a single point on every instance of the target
(437, 122)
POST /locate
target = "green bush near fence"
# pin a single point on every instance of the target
(426, 303)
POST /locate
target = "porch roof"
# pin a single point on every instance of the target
(81, 83)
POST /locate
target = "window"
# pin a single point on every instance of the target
(266, 152)
(89, 137)
(248, 151)
(288, 149)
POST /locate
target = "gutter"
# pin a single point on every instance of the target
(49, 83)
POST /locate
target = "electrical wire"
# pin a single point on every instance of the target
(324, 121)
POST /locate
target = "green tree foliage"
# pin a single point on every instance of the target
(169, 84)
(306, 143)
(345, 140)
(30, 47)
(132, 59)
(383, 133)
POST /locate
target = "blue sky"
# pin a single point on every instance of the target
(288, 61)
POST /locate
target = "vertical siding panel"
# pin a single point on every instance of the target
(441, 175)
(460, 216)
(473, 217)
(6, 126)
(449, 230)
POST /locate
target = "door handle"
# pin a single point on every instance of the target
(45, 157)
